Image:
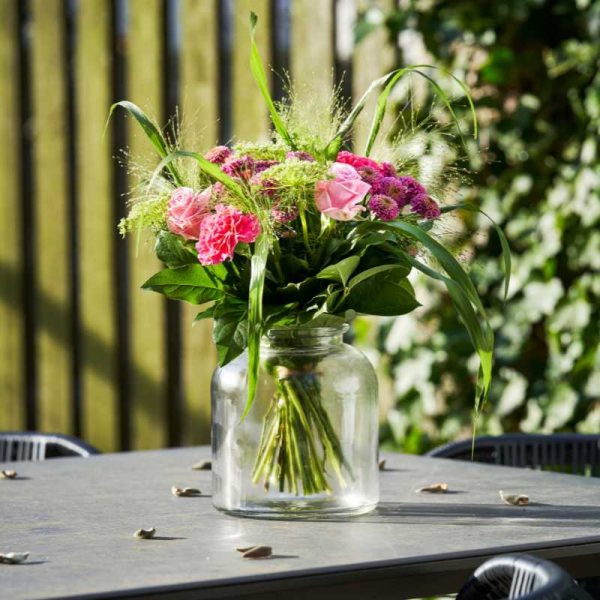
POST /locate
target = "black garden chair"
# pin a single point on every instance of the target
(521, 577)
(574, 453)
(30, 445)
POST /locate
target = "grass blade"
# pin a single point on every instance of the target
(258, 72)
(152, 132)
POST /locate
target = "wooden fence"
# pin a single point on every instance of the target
(82, 349)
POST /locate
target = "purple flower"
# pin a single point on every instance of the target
(387, 170)
(384, 207)
(239, 167)
(425, 206)
(284, 214)
(263, 165)
(300, 155)
(218, 155)
(413, 189)
(369, 174)
(395, 188)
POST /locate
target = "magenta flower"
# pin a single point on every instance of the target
(425, 207)
(384, 207)
(186, 211)
(355, 160)
(387, 170)
(300, 155)
(222, 231)
(263, 165)
(340, 198)
(395, 188)
(239, 167)
(369, 174)
(218, 155)
(285, 214)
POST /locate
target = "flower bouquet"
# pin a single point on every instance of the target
(292, 236)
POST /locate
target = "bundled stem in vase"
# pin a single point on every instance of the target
(298, 443)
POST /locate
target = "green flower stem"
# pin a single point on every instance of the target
(298, 443)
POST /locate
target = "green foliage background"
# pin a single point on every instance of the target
(533, 69)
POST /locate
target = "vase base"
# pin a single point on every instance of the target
(297, 510)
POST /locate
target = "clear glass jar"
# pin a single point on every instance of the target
(309, 444)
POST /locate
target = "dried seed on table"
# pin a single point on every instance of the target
(514, 499)
(7, 474)
(435, 488)
(256, 551)
(204, 465)
(145, 534)
(177, 491)
(14, 558)
(382, 465)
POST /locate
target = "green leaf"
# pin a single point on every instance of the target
(380, 291)
(230, 332)
(258, 72)
(258, 267)
(152, 132)
(173, 251)
(480, 332)
(193, 283)
(208, 313)
(340, 271)
(506, 256)
(394, 77)
(373, 271)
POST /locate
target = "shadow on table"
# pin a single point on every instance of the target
(537, 514)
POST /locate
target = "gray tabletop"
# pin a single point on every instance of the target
(77, 518)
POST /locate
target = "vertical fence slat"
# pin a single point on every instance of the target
(52, 298)
(12, 392)
(199, 103)
(148, 361)
(311, 52)
(373, 57)
(250, 115)
(96, 226)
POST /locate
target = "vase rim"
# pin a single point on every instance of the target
(277, 333)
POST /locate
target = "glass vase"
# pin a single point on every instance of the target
(308, 446)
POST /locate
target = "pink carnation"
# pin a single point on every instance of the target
(355, 160)
(222, 231)
(340, 198)
(186, 211)
(384, 207)
(218, 155)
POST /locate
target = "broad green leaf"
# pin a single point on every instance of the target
(372, 272)
(258, 72)
(152, 132)
(171, 250)
(340, 271)
(381, 293)
(255, 314)
(192, 283)
(230, 332)
(208, 313)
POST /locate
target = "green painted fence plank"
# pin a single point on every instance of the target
(53, 246)
(311, 52)
(12, 396)
(147, 309)
(199, 102)
(96, 227)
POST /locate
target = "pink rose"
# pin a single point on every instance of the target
(222, 231)
(340, 198)
(186, 210)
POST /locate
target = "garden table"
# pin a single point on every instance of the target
(77, 516)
